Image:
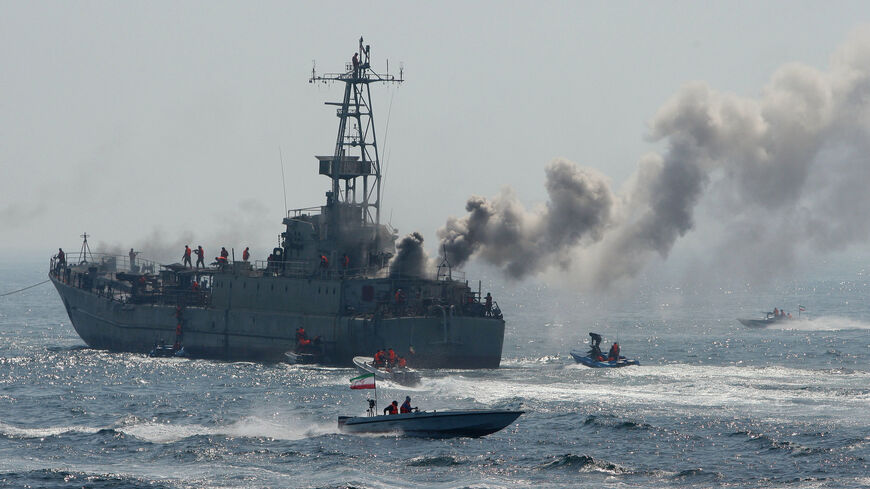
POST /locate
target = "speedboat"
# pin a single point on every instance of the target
(769, 318)
(399, 375)
(297, 358)
(166, 351)
(434, 424)
(585, 359)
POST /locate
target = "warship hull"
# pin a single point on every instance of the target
(247, 333)
(337, 283)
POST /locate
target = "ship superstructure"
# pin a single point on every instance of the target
(330, 276)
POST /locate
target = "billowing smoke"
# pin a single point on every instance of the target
(771, 176)
(503, 232)
(411, 259)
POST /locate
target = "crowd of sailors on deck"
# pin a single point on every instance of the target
(221, 260)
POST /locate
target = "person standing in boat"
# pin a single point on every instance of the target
(246, 254)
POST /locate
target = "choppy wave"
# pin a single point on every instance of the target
(698, 475)
(583, 463)
(439, 461)
(58, 478)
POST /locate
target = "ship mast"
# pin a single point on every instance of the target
(356, 153)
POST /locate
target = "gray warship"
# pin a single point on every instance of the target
(336, 286)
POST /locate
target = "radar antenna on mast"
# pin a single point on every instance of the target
(356, 154)
(447, 274)
(86, 250)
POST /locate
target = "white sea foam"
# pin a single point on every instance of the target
(767, 391)
(287, 428)
(824, 323)
(18, 432)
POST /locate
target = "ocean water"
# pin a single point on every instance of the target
(713, 404)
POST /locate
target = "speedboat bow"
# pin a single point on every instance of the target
(400, 375)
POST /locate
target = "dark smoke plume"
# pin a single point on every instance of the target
(773, 176)
(522, 242)
(411, 259)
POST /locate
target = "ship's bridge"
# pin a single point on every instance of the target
(348, 167)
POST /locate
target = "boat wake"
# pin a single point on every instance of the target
(247, 427)
(153, 432)
(824, 323)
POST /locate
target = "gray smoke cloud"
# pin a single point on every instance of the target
(773, 176)
(411, 259)
(505, 233)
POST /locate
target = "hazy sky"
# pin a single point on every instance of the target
(155, 122)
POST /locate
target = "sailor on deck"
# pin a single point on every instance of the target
(200, 256)
(185, 259)
(246, 254)
(61, 261)
(132, 256)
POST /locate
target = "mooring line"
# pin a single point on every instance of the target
(25, 288)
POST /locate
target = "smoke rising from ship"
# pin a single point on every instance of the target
(520, 241)
(773, 176)
(411, 259)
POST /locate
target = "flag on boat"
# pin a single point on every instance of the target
(801, 308)
(366, 381)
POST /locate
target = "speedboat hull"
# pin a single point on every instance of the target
(402, 376)
(756, 323)
(444, 424)
(581, 357)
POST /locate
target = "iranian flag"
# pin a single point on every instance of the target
(366, 381)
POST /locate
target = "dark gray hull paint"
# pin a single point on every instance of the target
(471, 423)
(249, 334)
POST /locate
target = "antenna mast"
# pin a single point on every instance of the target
(86, 250)
(356, 150)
